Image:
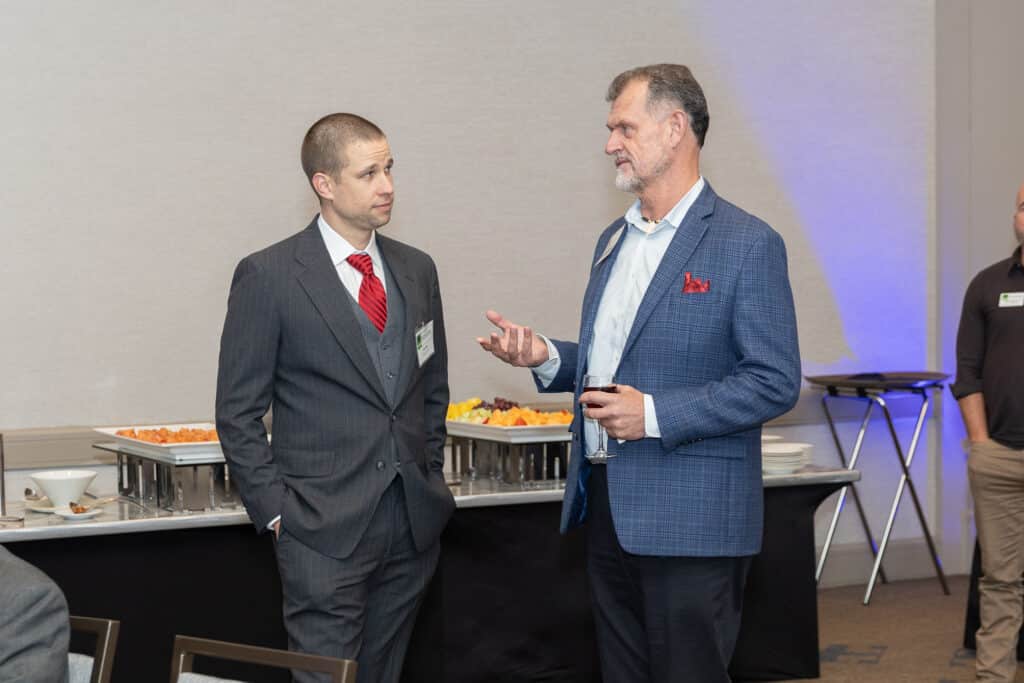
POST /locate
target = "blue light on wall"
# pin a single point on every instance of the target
(849, 143)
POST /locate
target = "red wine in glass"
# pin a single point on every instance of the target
(609, 389)
(599, 383)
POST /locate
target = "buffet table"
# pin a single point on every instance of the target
(509, 601)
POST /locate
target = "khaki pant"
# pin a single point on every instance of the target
(996, 475)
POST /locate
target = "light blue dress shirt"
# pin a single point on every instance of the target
(643, 246)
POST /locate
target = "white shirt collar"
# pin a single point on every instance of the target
(340, 249)
(674, 217)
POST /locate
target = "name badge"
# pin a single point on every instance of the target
(1011, 299)
(425, 342)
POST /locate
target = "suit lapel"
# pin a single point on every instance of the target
(320, 280)
(683, 244)
(415, 315)
(599, 273)
(613, 241)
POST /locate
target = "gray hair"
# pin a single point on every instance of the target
(672, 84)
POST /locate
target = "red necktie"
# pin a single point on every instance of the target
(372, 298)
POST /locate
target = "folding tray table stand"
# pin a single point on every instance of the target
(872, 388)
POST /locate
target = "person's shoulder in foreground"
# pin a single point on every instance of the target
(34, 628)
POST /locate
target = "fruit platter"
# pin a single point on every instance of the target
(506, 421)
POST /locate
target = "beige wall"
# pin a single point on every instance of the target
(148, 146)
(996, 128)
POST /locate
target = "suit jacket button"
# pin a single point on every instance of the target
(380, 464)
(394, 417)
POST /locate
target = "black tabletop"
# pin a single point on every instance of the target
(881, 381)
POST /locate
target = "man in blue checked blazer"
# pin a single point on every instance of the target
(689, 309)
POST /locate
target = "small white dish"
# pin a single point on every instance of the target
(70, 516)
(42, 505)
(782, 467)
(770, 437)
(783, 457)
(781, 470)
(783, 448)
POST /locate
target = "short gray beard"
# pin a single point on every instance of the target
(636, 184)
(629, 184)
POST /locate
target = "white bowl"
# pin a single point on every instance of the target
(770, 437)
(63, 486)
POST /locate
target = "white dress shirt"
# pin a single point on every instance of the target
(643, 246)
(340, 249)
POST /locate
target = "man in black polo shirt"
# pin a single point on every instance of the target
(990, 389)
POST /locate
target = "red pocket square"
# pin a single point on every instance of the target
(692, 285)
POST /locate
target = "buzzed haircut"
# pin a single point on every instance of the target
(668, 83)
(326, 140)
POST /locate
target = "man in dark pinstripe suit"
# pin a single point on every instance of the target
(340, 330)
(689, 309)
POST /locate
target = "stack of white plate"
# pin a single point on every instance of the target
(784, 457)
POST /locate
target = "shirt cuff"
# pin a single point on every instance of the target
(547, 370)
(272, 522)
(651, 428)
(965, 387)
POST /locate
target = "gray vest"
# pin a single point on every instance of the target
(385, 347)
(386, 351)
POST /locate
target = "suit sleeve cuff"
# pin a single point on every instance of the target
(271, 523)
(546, 371)
(651, 428)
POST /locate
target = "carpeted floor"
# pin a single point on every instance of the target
(910, 633)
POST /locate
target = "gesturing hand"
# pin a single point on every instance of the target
(517, 344)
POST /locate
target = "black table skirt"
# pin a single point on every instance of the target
(509, 602)
(778, 637)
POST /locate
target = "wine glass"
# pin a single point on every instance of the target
(599, 383)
